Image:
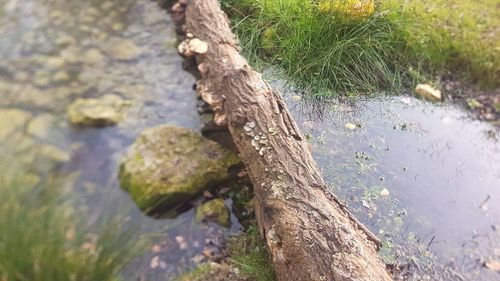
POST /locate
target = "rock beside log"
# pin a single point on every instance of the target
(167, 166)
(107, 110)
(213, 210)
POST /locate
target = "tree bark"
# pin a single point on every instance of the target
(309, 233)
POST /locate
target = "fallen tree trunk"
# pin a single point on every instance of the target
(310, 234)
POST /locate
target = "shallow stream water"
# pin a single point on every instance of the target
(55, 51)
(424, 177)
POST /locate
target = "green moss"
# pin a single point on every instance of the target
(213, 210)
(168, 165)
(199, 273)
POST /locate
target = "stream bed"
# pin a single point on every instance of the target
(424, 177)
(53, 52)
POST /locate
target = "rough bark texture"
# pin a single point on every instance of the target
(310, 234)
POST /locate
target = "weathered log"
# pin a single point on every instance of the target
(310, 234)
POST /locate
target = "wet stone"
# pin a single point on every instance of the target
(61, 76)
(213, 210)
(64, 40)
(107, 110)
(167, 166)
(71, 54)
(54, 62)
(428, 92)
(52, 153)
(41, 79)
(12, 120)
(41, 125)
(122, 49)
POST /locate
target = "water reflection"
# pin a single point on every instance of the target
(423, 176)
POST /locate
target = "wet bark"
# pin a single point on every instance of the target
(309, 233)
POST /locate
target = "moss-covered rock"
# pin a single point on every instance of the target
(167, 165)
(213, 210)
(107, 110)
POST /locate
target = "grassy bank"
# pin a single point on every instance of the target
(42, 237)
(249, 254)
(248, 260)
(331, 47)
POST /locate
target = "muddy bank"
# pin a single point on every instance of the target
(484, 105)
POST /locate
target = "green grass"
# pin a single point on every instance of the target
(458, 36)
(248, 252)
(42, 238)
(329, 51)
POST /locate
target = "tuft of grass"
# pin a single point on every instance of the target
(248, 252)
(199, 273)
(42, 237)
(327, 47)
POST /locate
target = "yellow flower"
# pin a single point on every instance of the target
(351, 8)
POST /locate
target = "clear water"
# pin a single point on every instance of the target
(424, 177)
(36, 35)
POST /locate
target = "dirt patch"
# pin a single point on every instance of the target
(484, 104)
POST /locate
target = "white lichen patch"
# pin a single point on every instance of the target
(272, 238)
(272, 131)
(278, 189)
(249, 126)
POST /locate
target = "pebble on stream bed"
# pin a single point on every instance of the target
(107, 110)
(213, 210)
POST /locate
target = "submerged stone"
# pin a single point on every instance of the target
(167, 166)
(213, 210)
(54, 62)
(51, 153)
(12, 120)
(107, 110)
(122, 49)
(93, 57)
(41, 79)
(41, 125)
(61, 76)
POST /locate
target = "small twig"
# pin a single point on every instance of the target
(488, 197)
